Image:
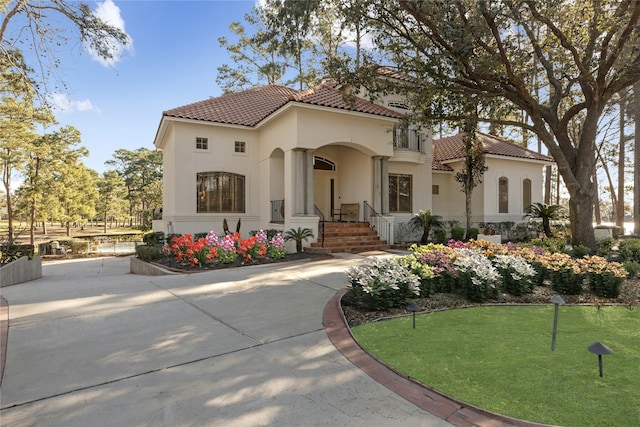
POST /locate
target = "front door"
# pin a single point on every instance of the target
(323, 187)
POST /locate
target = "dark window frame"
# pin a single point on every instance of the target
(399, 184)
(220, 192)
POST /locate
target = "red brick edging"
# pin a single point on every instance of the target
(458, 413)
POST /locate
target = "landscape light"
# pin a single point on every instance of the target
(413, 307)
(599, 349)
(557, 301)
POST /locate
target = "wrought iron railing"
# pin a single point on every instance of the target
(320, 223)
(377, 222)
(408, 139)
(277, 211)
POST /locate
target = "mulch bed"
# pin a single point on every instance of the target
(171, 263)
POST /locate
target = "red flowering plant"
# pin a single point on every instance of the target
(197, 253)
(251, 249)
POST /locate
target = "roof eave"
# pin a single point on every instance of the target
(297, 104)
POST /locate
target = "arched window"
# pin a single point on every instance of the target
(220, 192)
(503, 195)
(526, 194)
(320, 163)
(398, 105)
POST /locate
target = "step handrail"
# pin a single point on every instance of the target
(318, 212)
(377, 222)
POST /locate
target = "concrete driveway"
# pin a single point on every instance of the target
(92, 345)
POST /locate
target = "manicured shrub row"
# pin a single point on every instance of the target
(479, 270)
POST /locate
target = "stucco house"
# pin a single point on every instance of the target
(274, 157)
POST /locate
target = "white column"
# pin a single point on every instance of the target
(376, 203)
(384, 190)
(309, 205)
(299, 180)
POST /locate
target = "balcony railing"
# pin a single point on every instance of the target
(408, 139)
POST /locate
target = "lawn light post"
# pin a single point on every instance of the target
(557, 301)
(599, 349)
(413, 307)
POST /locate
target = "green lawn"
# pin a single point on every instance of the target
(500, 358)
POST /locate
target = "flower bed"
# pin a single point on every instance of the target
(215, 251)
(482, 271)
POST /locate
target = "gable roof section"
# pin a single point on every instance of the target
(451, 148)
(246, 108)
(250, 107)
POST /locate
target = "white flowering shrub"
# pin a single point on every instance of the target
(518, 276)
(382, 283)
(478, 277)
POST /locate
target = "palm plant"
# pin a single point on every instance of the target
(424, 220)
(298, 235)
(546, 213)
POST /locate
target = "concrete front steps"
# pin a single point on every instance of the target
(347, 237)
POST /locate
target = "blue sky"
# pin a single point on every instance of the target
(173, 61)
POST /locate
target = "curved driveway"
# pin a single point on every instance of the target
(92, 345)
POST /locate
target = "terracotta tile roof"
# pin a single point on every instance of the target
(450, 148)
(246, 108)
(250, 107)
(437, 166)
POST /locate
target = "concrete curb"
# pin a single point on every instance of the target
(20, 271)
(4, 334)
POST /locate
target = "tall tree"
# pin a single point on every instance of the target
(622, 102)
(141, 171)
(48, 156)
(41, 28)
(18, 119)
(293, 19)
(76, 191)
(474, 167)
(112, 193)
(587, 54)
(258, 57)
(636, 164)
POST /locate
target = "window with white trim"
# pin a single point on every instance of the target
(202, 143)
(240, 147)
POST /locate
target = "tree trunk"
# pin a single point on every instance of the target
(636, 165)
(581, 210)
(6, 180)
(105, 223)
(467, 208)
(596, 206)
(547, 185)
(620, 205)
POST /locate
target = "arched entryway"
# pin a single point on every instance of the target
(324, 185)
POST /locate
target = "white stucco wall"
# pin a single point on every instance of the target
(182, 161)
(451, 206)
(516, 171)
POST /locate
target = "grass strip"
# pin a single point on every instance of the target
(500, 359)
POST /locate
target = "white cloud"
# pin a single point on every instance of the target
(61, 103)
(109, 13)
